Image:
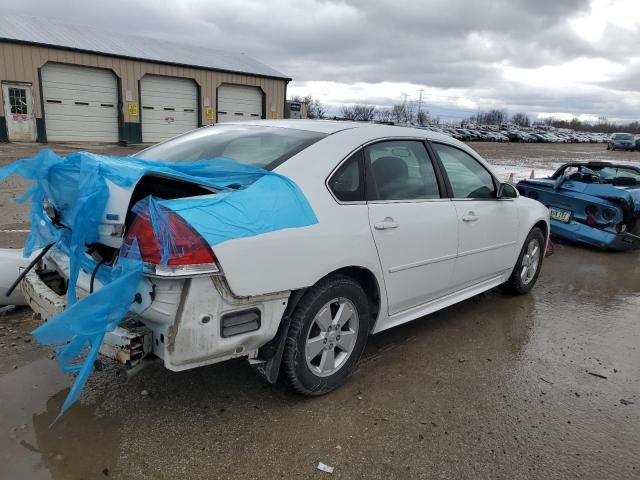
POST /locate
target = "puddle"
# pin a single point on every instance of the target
(78, 446)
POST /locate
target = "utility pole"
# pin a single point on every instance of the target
(420, 107)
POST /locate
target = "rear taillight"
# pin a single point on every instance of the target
(179, 243)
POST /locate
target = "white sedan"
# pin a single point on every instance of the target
(409, 222)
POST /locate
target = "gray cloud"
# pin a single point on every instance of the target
(461, 44)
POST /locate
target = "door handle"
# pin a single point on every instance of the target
(470, 217)
(386, 224)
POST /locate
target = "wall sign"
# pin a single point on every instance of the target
(209, 113)
(133, 109)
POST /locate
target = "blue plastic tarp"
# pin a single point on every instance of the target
(248, 201)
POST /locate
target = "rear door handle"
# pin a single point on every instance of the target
(470, 217)
(386, 224)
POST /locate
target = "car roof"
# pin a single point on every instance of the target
(334, 126)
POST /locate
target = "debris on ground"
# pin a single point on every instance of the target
(549, 251)
(145, 393)
(597, 375)
(545, 380)
(626, 402)
(325, 468)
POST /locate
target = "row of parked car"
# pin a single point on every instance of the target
(513, 135)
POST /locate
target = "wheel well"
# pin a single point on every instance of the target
(542, 225)
(369, 282)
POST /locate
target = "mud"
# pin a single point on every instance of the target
(495, 387)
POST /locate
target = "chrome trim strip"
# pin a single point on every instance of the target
(169, 271)
(412, 200)
(421, 263)
(485, 249)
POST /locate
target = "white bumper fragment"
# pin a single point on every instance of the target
(12, 261)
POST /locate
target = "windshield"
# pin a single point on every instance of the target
(623, 136)
(615, 175)
(263, 147)
(609, 174)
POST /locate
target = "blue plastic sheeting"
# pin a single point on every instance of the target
(85, 323)
(265, 207)
(248, 201)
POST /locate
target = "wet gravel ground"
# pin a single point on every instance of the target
(542, 386)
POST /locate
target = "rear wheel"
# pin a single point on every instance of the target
(525, 273)
(327, 336)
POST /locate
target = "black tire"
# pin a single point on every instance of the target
(297, 372)
(516, 284)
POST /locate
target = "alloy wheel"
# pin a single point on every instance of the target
(331, 337)
(530, 262)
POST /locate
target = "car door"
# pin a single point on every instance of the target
(414, 227)
(487, 225)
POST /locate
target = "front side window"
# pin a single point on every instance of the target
(264, 147)
(467, 176)
(400, 170)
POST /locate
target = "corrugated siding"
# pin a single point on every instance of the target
(21, 62)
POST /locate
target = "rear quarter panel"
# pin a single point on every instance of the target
(295, 258)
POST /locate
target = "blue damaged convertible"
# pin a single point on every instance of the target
(597, 203)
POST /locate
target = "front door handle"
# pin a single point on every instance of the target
(387, 224)
(470, 217)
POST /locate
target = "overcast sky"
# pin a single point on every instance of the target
(542, 57)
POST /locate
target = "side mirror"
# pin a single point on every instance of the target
(506, 190)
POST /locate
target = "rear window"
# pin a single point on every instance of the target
(263, 147)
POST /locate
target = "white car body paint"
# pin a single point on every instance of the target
(419, 267)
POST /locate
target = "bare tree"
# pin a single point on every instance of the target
(521, 119)
(315, 109)
(399, 112)
(489, 117)
(384, 115)
(362, 113)
(422, 118)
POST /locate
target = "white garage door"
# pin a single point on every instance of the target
(239, 102)
(169, 107)
(80, 104)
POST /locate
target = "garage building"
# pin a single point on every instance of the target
(71, 83)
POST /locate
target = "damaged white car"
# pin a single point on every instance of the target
(408, 222)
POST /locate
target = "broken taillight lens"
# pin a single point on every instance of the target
(187, 246)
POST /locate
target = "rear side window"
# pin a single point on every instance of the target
(347, 184)
(400, 170)
(467, 176)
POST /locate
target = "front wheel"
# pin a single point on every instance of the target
(327, 336)
(525, 273)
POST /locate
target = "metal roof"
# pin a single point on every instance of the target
(82, 38)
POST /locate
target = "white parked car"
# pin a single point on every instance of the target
(409, 222)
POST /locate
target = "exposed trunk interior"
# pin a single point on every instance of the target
(164, 188)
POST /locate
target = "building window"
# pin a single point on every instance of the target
(18, 100)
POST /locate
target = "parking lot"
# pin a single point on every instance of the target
(540, 386)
